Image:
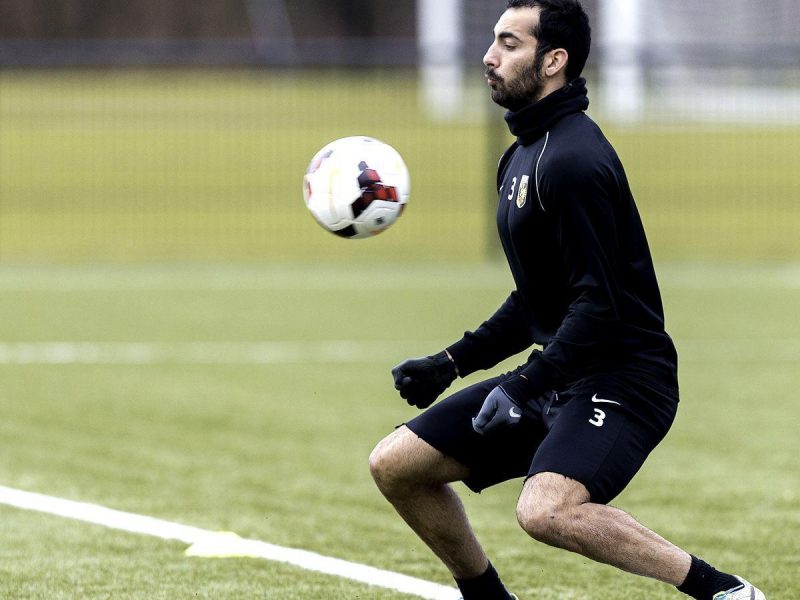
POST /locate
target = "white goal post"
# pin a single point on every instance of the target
(621, 73)
(440, 33)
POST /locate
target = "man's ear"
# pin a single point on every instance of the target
(555, 62)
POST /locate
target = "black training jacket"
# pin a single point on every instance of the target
(586, 290)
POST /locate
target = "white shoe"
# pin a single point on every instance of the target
(745, 591)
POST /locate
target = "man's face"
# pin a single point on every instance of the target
(512, 71)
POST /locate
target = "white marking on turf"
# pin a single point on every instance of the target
(296, 277)
(365, 278)
(209, 543)
(266, 352)
(326, 352)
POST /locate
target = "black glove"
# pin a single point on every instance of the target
(499, 411)
(421, 380)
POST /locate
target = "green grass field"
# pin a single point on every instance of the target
(278, 451)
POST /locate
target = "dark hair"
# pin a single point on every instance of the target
(562, 24)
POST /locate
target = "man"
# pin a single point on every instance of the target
(579, 418)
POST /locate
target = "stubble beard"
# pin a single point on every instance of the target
(525, 88)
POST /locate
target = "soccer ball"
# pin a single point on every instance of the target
(356, 187)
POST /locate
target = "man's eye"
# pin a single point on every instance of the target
(509, 46)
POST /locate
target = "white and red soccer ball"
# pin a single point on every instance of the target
(356, 187)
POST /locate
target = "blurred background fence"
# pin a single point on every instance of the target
(169, 131)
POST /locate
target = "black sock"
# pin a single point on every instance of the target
(703, 581)
(483, 587)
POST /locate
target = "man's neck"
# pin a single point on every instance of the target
(551, 86)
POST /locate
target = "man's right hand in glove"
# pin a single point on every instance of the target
(421, 380)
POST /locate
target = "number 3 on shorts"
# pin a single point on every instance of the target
(599, 417)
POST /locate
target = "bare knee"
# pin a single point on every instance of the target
(393, 463)
(402, 462)
(548, 507)
(386, 466)
(542, 522)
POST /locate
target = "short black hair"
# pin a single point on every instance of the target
(562, 24)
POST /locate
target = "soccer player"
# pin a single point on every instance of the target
(579, 418)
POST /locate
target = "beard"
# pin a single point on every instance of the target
(523, 89)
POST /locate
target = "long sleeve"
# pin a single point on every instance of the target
(502, 335)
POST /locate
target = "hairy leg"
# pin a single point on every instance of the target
(556, 510)
(414, 477)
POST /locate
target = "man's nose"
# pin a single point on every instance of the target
(490, 58)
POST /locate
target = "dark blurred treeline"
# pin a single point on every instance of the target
(170, 19)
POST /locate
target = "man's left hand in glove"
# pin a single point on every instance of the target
(502, 408)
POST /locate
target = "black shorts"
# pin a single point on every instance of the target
(599, 432)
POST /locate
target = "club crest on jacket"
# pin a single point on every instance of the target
(522, 195)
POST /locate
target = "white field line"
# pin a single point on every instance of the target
(679, 275)
(230, 279)
(326, 352)
(228, 544)
(267, 352)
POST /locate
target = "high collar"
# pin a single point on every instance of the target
(532, 121)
